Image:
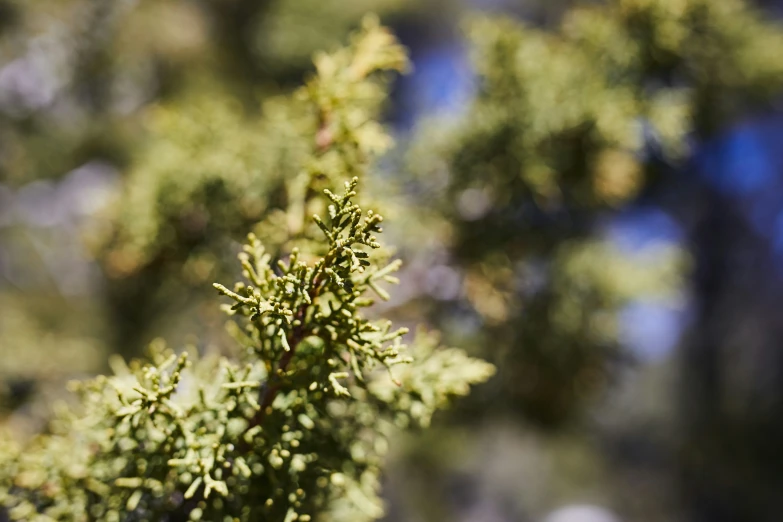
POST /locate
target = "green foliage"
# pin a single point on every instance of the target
(104, 63)
(567, 125)
(294, 424)
(560, 115)
(291, 413)
(201, 178)
(208, 171)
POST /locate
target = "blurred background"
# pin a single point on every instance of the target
(589, 194)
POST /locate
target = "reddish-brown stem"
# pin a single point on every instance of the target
(269, 391)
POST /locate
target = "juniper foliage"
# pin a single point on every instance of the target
(294, 424)
(208, 174)
(161, 98)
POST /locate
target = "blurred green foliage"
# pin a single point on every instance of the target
(567, 126)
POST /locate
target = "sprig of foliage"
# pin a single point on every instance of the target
(294, 427)
(321, 301)
(210, 172)
(296, 422)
